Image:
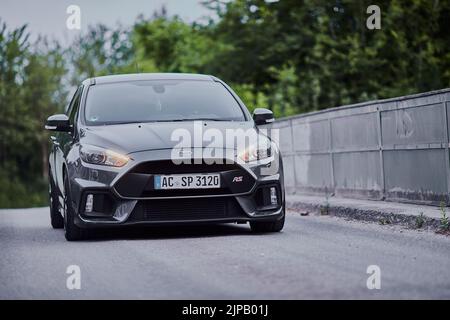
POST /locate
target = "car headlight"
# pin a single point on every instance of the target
(97, 155)
(257, 151)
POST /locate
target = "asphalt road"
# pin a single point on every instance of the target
(315, 257)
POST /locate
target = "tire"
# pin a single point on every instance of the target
(71, 231)
(56, 219)
(267, 226)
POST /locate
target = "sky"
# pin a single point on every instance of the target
(48, 17)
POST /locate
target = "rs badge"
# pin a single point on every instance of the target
(237, 179)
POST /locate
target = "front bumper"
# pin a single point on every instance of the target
(125, 196)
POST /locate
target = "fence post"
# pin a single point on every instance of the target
(380, 148)
(330, 154)
(446, 148)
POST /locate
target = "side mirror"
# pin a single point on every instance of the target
(58, 122)
(262, 116)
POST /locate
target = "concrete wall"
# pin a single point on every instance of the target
(394, 149)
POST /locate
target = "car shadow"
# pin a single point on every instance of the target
(169, 232)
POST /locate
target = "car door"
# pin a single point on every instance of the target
(65, 140)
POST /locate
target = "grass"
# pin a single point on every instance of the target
(325, 208)
(445, 223)
(420, 220)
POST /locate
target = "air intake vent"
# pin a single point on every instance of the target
(191, 209)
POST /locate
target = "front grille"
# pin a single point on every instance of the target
(190, 209)
(168, 167)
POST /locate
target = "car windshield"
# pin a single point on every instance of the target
(160, 100)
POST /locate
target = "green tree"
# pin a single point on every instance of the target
(30, 90)
(44, 94)
(101, 51)
(167, 44)
(13, 49)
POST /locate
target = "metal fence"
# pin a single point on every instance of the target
(395, 149)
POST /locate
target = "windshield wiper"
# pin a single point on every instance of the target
(166, 120)
(199, 119)
(122, 122)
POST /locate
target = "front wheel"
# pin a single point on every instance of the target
(71, 231)
(267, 226)
(56, 219)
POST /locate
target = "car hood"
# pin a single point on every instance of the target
(130, 138)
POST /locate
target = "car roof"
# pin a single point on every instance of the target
(148, 76)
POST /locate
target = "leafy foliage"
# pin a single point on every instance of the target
(30, 90)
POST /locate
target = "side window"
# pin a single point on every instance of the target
(71, 103)
(74, 106)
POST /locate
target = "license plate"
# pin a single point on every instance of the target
(187, 181)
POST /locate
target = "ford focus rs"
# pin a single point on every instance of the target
(149, 149)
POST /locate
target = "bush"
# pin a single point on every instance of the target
(17, 194)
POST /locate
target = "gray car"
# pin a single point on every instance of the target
(144, 149)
